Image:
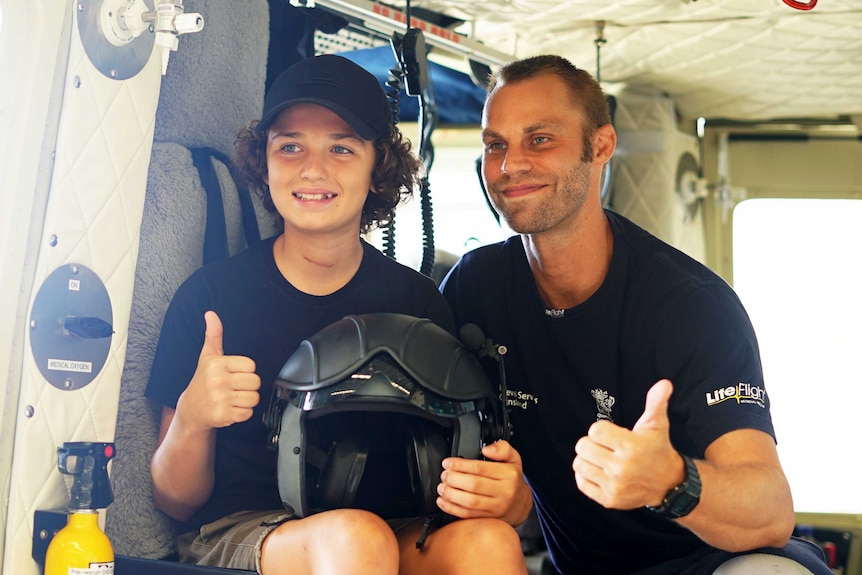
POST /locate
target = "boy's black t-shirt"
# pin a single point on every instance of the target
(265, 318)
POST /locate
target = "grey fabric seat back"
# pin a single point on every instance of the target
(214, 85)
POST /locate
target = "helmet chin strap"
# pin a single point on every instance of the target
(423, 535)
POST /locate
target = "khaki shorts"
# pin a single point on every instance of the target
(235, 540)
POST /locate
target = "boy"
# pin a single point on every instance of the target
(327, 157)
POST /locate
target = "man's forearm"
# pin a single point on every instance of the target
(743, 506)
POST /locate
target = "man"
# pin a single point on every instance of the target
(327, 157)
(628, 363)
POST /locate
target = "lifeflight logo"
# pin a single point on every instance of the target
(741, 392)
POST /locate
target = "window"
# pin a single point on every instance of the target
(798, 269)
(462, 218)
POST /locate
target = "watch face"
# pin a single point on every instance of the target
(683, 504)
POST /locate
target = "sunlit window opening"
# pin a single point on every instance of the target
(797, 269)
(462, 218)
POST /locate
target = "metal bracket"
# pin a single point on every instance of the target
(114, 51)
(386, 20)
(71, 327)
(118, 35)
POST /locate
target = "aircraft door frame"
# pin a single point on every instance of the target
(33, 58)
(73, 169)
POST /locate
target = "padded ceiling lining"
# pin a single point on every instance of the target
(736, 59)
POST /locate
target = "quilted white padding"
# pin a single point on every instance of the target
(96, 200)
(644, 171)
(744, 59)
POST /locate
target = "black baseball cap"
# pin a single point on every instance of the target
(336, 83)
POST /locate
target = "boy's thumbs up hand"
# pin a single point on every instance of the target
(213, 346)
(224, 388)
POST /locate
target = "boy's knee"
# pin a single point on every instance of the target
(761, 563)
(338, 541)
(351, 527)
(486, 534)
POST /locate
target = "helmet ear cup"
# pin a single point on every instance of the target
(425, 454)
(492, 423)
(342, 473)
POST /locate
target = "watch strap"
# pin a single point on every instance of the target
(682, 499)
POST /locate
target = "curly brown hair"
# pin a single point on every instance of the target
(395, 175)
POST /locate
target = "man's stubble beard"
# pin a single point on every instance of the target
(567, 198)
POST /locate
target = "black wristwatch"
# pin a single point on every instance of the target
(680, 500)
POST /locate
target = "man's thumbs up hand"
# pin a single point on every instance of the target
(628, 468)
(654, 418)
(224, 388)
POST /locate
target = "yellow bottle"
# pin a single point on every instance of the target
(81, 547)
